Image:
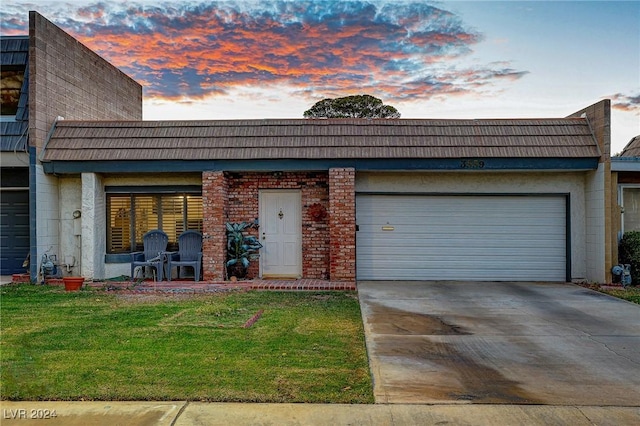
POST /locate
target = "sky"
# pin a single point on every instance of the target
(238, 59)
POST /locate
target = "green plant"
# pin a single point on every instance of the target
(241, 248)
(629, 253)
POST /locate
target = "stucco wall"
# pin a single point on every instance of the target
(595, 249)
(94, 234)
(70, 189)
(45, 240)
(496, 183)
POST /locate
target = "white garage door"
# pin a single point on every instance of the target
(461, 237)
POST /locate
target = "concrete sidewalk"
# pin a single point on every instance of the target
(200, 413)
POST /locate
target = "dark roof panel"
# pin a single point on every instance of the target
(15, 50)
(14, 136)
(320, 139)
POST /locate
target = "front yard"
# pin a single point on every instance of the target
(235, 346)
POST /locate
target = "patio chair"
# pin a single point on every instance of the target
(155, 246)
(189, 254)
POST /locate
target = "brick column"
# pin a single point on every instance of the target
(342, 224)
(214, 205)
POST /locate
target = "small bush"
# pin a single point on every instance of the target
(629, 252)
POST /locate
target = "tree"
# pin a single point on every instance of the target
(357, 106)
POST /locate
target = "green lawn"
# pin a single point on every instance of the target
(99, 345)
(632, 294)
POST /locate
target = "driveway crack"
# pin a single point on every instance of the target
(633, 361)
(184, 407)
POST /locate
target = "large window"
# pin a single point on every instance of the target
(130, 216)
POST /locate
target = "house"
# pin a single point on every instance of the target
(497, 199)
(625, 170)
(47, 74)
(492, 199)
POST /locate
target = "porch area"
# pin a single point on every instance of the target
(214, 286)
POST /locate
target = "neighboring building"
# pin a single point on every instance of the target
(14, 155)
(520, 199)
(625, 209)
(60, 78)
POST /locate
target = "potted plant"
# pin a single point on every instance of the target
(241, 248)
(73, 283)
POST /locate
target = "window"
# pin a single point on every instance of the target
(11, 80)
(631, 205)
(130, 216)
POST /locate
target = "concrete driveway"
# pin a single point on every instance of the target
(500, 343)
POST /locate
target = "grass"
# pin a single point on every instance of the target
(632, 294)
(99, 345)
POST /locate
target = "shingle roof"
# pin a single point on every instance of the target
(14, 135)
(15, 50)
(632, 149)
(320, 139)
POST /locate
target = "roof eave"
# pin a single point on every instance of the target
(625, 164)
(360, 164)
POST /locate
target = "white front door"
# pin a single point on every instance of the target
(281, 234)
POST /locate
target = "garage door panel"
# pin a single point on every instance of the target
(14, 229)
(416, 240)
(444, 241)
(431, 220)
(521, 255)
(472, 237)
(467, 275)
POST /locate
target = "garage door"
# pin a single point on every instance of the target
(461, 237)
(14, 231)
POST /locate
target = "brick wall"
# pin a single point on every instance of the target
(243, 206)
(342, 224)
(214, 204)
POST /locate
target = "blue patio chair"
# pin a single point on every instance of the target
(189, 254)
(155, 246)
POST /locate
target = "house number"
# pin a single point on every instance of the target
(471, 164)
(280, 215)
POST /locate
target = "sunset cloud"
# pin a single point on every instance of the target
(626, 102)
(194, 50)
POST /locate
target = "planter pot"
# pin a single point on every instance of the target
(73, 283)
(237, 271)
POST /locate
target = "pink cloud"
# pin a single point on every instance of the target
(193, 50)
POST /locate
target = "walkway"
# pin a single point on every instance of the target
(217, 286)
(176, 286)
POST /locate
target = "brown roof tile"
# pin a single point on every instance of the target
(632, 149)
(320, 139)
